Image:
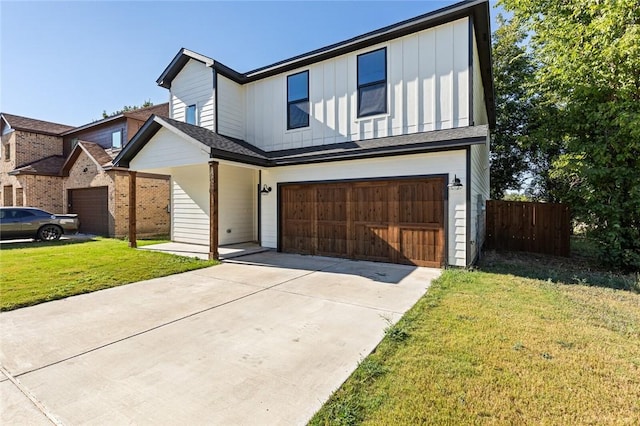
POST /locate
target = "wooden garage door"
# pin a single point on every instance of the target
(92, 207)
(398, 221)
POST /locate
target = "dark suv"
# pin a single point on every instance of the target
(27, 222)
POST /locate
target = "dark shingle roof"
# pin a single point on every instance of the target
(97, 152)
(36, 126)
(226, 148)
(94, 150)
(218, 142)
(49, 166)
(144, 113)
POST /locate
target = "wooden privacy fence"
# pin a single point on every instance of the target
(525, 226)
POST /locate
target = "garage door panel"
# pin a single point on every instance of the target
(399, 221)
(371, 203)
(421, 246)
(92, 207)
(421, 202)
(332, 238)
(298, 237)
(372, 242)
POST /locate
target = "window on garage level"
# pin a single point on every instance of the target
(191, 115)
(298, 100)
(372, 83)
(116, 139)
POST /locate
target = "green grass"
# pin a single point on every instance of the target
(495, 346)
(37, 272)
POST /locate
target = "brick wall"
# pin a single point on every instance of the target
(43, 192)
(30, 147)
(151, 208)
(34, 191)
(7, 183)
(8, 147)
(85, 173)
(152, 193)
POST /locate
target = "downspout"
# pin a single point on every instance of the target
(259, 195)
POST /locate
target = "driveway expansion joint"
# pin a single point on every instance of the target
(31, 397)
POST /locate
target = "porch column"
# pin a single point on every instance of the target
(213, 210)
(132, 210)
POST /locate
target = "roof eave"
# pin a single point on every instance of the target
(179, 61)
(139, 140)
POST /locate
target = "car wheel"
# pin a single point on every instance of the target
(49, 233)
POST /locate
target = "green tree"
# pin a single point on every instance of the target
(513, 72)
(588, 56)
(127, 108)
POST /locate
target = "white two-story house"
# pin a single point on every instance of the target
(374, 148)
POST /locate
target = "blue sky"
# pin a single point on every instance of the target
(68, 61)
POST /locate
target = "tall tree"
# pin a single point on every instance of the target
(588, 53)
(513, 72)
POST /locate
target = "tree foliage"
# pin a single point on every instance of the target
(513, 72)
(588, 75)
(127, 108)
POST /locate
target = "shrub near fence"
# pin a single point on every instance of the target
(526, 226)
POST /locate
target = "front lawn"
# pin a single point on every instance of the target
(37, 272)
(498, 346)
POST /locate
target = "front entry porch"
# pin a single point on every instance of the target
(225, 252)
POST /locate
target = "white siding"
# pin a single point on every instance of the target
(193, 85)
(231, 108)
(428, 89)
(237, 204)
(167, 149)
(479, 106)
(479, 196)
(451, 162)
(190, 204)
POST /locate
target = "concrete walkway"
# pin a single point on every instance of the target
(202, 252)
(261, 340)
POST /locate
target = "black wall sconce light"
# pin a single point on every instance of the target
(265, 189)
(455, 183)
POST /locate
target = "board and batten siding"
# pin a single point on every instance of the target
(479, 106)
(193, 85)
(450, 163)
(166, 149)
(427, 86)
(479, 195)
(190, 204)
(231, 108)
(238, 204)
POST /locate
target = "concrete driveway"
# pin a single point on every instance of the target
(261, 340)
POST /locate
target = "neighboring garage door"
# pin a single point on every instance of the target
(92, 207)
(397, 221)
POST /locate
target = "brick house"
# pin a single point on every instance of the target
(68, 169)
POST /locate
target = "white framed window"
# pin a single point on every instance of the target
(116, 139)
(191, 115)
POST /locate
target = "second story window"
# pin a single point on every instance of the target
(372, 83)
(116, 139)
(7, 152)
(298, 100)
(191, 115)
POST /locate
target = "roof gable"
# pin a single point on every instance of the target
(95, 152)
